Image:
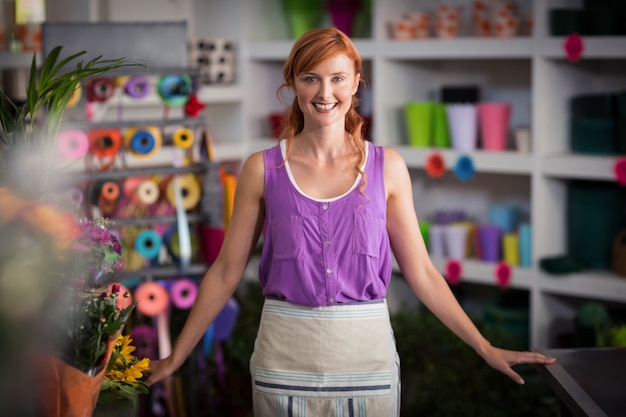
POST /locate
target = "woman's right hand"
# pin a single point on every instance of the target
(160, 369)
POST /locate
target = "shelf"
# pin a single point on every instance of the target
(601, 285)
(225, 93)
(592, 167)
(118, 173)
(170, 271)
(507, 162)
(607, 47)
(279, 50)
(478, 272)
(133, 123)
(147, 221)
(460, 48)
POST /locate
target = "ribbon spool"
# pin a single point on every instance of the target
(147, 192)
(183, 293)
(145, 341)
(75, 196)
(148, 243)
(110, 191)
(137, 87)
(108, 197)
(172, 243)
(143, 143)
(72, 144)
(174, 90)
(74, 97)
(100, 89)
(183, 138)
(190, 188)
(104, 143)
(151, 298)
(130, 187)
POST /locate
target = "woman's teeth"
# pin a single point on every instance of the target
(324, 106)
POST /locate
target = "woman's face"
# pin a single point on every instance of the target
(325, 92)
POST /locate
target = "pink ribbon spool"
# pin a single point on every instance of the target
(72, 144)
(152, 299)
(183, 293)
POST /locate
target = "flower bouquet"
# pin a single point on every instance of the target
(85, 319)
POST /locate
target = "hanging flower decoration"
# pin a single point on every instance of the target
(620, 171)
(435, 165)
(464, 168)
(193, 107)
(573, 47)
(503, 274)
(454, 269)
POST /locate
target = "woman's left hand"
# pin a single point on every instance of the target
(503, 360)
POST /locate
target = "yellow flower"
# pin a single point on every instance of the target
(135, 371)
(124, 348)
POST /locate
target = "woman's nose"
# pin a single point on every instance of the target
(325, 90)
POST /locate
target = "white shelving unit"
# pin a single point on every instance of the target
(531, 70)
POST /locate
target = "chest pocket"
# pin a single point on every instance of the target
(287, 236)
(368, 234)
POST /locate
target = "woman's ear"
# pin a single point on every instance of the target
(357, 82)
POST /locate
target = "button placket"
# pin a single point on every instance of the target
(328, 257)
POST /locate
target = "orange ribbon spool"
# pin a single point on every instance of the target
(110, 191)
(104, 143)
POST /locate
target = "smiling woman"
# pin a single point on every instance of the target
(332, 207)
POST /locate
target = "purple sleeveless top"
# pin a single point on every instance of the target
(323, 252)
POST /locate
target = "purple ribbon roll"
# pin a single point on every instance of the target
(137, 87)
(145, 341)
(183, 293)
(75, 196)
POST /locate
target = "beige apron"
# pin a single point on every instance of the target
(325, 361)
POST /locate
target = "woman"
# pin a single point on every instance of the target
(333, 207)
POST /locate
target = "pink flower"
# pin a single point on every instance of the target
(503, 274)
(574, 47)
(454, 269)
(620, 171)
(193, 107)
(435, 165)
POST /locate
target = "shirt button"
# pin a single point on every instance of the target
(332, 300)
(325, 206)
(330, 271)
(327, 243)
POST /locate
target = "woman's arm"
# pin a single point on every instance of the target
(426, 281)
(224, 275)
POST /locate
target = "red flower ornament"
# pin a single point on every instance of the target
(574, 47)
(503, 274)
(454, 270)
(435, 165)
(193, 107)
(620, 171)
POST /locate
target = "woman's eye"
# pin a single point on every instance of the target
(310, 79)
(339, 79)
